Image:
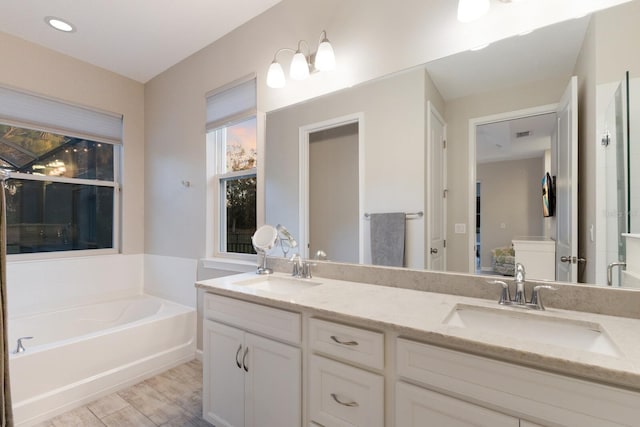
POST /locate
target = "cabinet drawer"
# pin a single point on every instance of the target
(415, 406)
(271, 322)
(557, 399)
(346, 342)
(341, 395)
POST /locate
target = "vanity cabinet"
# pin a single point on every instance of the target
(341, 394)
(478, 385)
(417, 407)
(250, 378)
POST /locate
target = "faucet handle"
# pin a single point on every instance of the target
(505, 297)
(306, 269)
(536, 300)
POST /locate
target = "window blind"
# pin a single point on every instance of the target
(230, 104)
(57, 116)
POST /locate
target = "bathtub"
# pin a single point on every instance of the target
(82, 353)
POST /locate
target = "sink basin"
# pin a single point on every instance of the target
(277, 285)
(573, 334)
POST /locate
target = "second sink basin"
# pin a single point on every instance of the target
(277, 284)
(574, 334)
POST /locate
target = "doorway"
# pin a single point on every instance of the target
(563, 165)
(511, 154)
(333, 189)
(331, 196)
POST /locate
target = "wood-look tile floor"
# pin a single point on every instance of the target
(170, 399)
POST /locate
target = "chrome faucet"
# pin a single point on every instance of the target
(520, 299)
(296, 260)
(20, 348)
(610, 270)
(301, 268)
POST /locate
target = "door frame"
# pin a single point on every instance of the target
(431, 109)
(303, 185)
(471, 200)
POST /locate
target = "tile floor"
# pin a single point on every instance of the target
(170, 399)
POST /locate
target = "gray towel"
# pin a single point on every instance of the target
(387, 239)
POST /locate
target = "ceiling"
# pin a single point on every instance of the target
(500, 141)
(547, 52)
(138, 39)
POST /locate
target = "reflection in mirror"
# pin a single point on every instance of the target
(511, 158)
(398, 120)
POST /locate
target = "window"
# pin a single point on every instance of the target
(232, 166)
(61, 191)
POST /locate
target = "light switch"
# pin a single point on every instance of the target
(461, 228)
(503, 225)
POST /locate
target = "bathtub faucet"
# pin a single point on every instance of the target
(20, 348)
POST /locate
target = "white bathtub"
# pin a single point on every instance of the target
(82, 353)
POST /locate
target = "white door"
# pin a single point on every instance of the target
(436, 197)
(223, 397)
(566, 181)
(273, 383)
(418, 407)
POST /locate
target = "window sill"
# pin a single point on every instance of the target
(45, 256)
(229, 264)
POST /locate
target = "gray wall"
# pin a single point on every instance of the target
(510, 195)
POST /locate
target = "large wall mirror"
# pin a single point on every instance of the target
(465, 147)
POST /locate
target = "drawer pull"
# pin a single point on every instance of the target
(244, 359)
(238, 354)
(333, 337)
(349, 404)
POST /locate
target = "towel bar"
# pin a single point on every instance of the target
(409, 215)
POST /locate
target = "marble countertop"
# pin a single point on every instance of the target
(423, 316)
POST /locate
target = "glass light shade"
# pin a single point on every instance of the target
(470, 10)
(275, 76)
(325, 59)
(299, 67)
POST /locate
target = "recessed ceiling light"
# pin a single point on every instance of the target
(60, 24)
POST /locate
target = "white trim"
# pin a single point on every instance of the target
(303, 186)
(261, 120)
(246, 173)
(61, 254)
(216, 216)
(471, 196)
(65, 180)
(432, 109)
(230, 264)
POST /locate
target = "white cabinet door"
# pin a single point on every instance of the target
(419, 407)
(224, 379)
(273, 384)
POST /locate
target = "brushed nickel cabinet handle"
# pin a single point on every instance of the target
(333, 337)
(238, 354)
(244, 360)
(349, 404)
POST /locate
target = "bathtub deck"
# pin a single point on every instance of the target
(170, 399)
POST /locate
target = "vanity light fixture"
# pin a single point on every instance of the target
(301, 64)
(60, 24)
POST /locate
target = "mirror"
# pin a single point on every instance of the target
(397, 124)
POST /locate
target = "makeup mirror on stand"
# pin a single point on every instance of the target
(263, 240)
